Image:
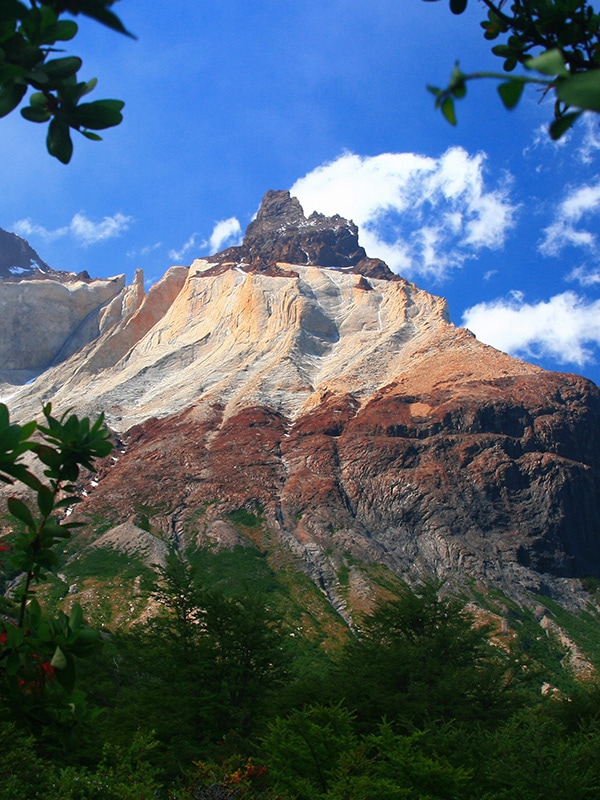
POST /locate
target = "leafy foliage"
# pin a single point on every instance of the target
(37, 651)
(433, 665)
(559, 39)
(202, 701)
(29, 33)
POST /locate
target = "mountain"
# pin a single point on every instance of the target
(293, 394)
(18, 260)
(45, 315)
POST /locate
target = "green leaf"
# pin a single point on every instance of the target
(59, 659)
(581, 90)
(562, 124)
(52, 531)
(58, 141)
(23, 562)
(49, 456)
(93, 136)
(448, 110)
(14, 636)
(45, 500)
(458, 6)
(491, 32)
(86, 88)
(19, 510)
(66, 674)
(64, 30)
(76, 618)
(510, 92)
(60, 68)
(99, 114)
(65, 502)
(96, 9)
(34, 114)
(37, 78)
(34, 612)
(551, 62)
(10, 97)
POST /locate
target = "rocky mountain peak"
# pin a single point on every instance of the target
(280, 208)
(281, 233)
(18, 259)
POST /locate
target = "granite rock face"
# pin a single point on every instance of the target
(43, 321)
(48, 315)
(338, 402)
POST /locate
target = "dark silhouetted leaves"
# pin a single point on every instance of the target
(28, 33)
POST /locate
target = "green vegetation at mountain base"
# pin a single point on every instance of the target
(238, 680)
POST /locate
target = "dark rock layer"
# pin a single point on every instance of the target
(282, 233)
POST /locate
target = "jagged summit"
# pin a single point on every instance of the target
(281, 233)
(18, 259)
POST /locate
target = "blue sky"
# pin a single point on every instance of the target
(227, 100)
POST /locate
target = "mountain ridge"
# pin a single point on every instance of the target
(339, 405)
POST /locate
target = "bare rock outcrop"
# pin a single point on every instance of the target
(18, 260)
(339, 403)
(44, 321)
(282, 234)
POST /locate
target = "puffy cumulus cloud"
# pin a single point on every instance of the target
(82, 229)
(565, 328)
(226, 233)
(423, 216)
(88, 232)
(572, 214)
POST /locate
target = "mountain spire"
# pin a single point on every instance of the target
(281, 233)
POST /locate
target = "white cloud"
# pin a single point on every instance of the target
(582, 141)
(591, 138)
(565, 328)
(226, 233)
(423, 216)
(584, 276)
(192, 242)
(580, 203)
(541, 139)
(144, 251)
(82, 229)
(27, 228)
